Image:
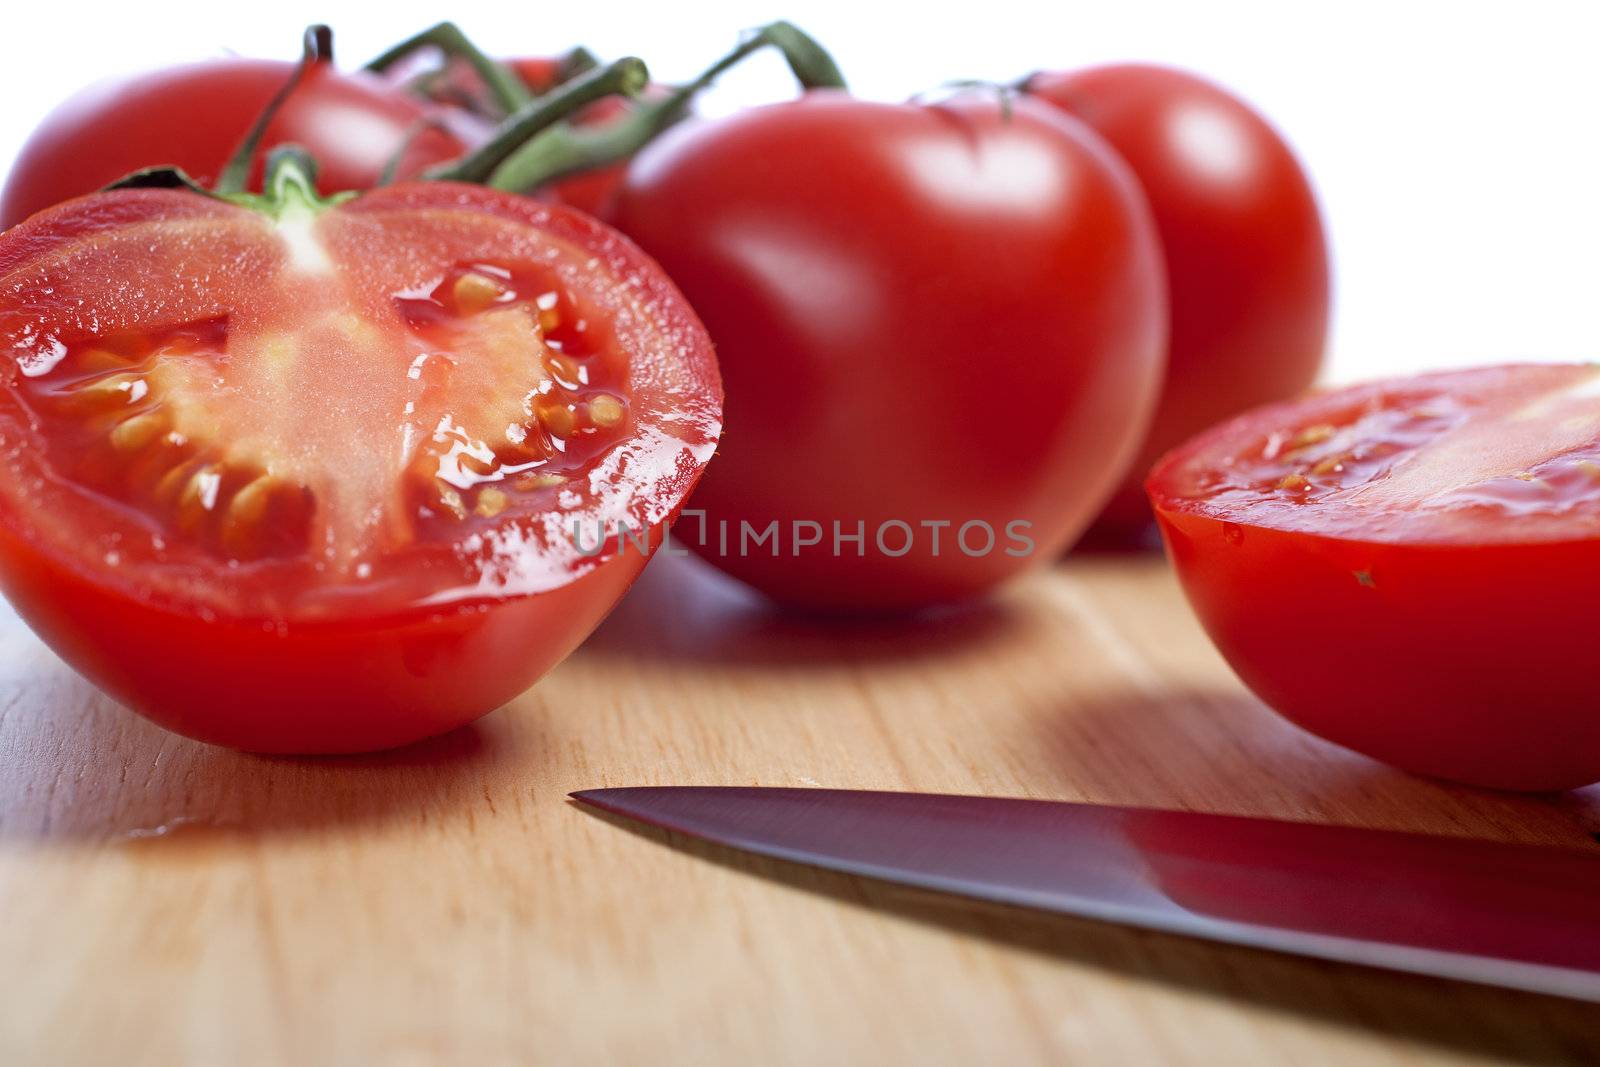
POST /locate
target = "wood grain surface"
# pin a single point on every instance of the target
(168, 903)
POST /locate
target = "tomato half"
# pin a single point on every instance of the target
(334, 478)
(1243, 243)
(1409, 568)
(930, 319)
(352, 123)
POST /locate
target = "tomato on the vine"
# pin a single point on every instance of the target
(195, 116)
(1245, 253)
(297, 475)
(925, 314)
(1409, 568)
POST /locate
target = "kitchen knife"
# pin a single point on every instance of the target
(1522, 916)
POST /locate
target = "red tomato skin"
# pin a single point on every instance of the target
(1246, 255)
(1390, 650)
(346, 685)
(880, 304)
(357, 686)
(352, 123)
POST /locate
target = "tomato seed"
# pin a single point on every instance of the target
(474, 292)
(451, 500)
(558, 419)
(606, 411)
(527, 483)
(1312, 435)
(134, 433)
(491, 502)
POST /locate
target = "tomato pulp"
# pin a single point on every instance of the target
(925, 314)
(1409, 568)
(311, 480)
(354, 124)
(1242, 240)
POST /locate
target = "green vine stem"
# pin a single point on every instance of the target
(578, 61)
(289, 188)
(564, 149)
(316, 47)
(504, 85)
(627, 77)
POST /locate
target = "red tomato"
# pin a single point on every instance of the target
(924, 314)
(1409, 568)
(325, 481)
(194, 117)
(1246, 258)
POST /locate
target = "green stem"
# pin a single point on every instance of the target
(626, 76)
(811, 64)
(563, 150)
(504, 85)
(290, 185)
(316, 47)
(578, 61)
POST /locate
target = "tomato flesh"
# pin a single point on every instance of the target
(1409, 568)
(386, 416)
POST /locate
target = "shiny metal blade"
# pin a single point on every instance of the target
(1522, 916)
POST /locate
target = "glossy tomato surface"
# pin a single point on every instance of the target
(945, 314)
(1410, 568)
(341, 478)
(1243, 242)
(194, 116)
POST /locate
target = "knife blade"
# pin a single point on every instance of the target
(1521, 916)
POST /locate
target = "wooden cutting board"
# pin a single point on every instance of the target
(168, 903)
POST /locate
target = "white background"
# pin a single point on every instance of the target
(1456, 147)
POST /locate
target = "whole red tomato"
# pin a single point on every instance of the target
(300, 477)
(940, 328)
(1246, 257)
(1409, 568)
(195, 116)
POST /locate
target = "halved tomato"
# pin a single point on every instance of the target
(330, 477)
(1410, 568)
